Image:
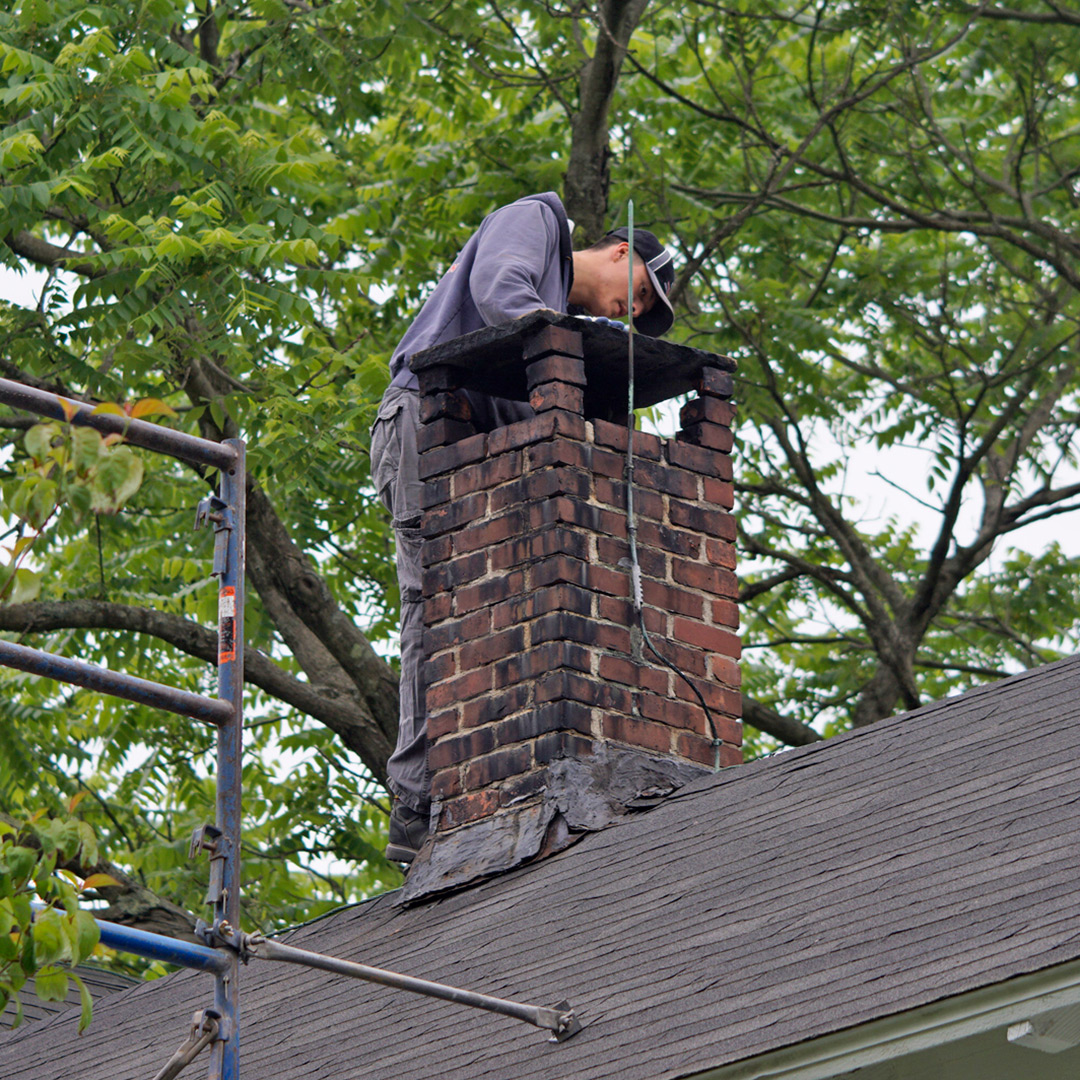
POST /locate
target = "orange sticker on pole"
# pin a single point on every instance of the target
(226, 625)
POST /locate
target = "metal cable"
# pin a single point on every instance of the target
(631, 516)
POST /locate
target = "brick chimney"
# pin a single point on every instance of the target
(548, 712)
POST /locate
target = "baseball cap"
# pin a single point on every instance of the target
(658, 319)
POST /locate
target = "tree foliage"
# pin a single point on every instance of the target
(875, 210)
(45, 943)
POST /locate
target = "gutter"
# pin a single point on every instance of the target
(893, 1037)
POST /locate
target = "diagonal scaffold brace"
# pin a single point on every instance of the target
(205, 1026)
(559, 1019)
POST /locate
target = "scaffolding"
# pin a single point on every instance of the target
(224, 946)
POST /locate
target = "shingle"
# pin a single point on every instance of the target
(922, 857)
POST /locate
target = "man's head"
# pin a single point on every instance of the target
(600, 280)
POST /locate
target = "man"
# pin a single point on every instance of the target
(519, 260)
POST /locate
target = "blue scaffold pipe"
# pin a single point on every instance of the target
(37, 662)
(137, 432)
(158, 947)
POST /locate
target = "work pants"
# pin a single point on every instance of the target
(395, 472)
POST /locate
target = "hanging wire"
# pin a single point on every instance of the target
(631, 516)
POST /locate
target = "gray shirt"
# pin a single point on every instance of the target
(519, 260)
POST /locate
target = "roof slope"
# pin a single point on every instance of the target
(928, 855)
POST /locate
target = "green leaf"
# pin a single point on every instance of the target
(51, 984)
(86, 1011)
(48, 936)
(117, 478)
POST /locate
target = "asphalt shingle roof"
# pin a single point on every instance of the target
(925, 856)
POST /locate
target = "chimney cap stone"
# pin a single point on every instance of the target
(491, 360)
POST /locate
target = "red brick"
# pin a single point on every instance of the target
(498, 765)
(710, 435)
(455, 515)
(435, 491)
(439, 377)
(718, 492)
(565, 368)
(560, 452)
(646, 445)
(699, 459)
(487, 592)
(538, 602)
(437, 608)
(485, 534)
(722, 701)
(537, 429)
(720, 553)
(466, 808)
(562, 626)
(442, 666)
(725, 670)
(688, 661)
(609, 636)
(444, 783)
(696, 748)
(571, 511)
(641, 733)
(606, 463)
(492, 647)
(560, 568)
(450, 404)
(725, 613)
(676, 714)
(442, 433)
(613, 550)
(539, 660)
(553, 339)
(436, 550)
(472, 626)
(496, 706)
(459, 571)
(711, 638)
(555, 540)
(647, 504)
(542, 484)
(551, 716)
(447, 722)
(673, 541)
(671, 599)
(613, 582)
(571, 686)
(562, 744)
(665, 478)
(450, 458)
(457, 748)
(487, 474)
(640, 676)
(621, 613)
(453, 691)
(556, 395)
(716, 383)
(710, 579)
(714, 522)
(709, 409)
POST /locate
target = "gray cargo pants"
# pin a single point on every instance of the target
(394, 469)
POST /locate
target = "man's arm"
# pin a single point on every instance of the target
(516, 269)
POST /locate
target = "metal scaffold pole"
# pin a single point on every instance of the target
(216, 1027)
